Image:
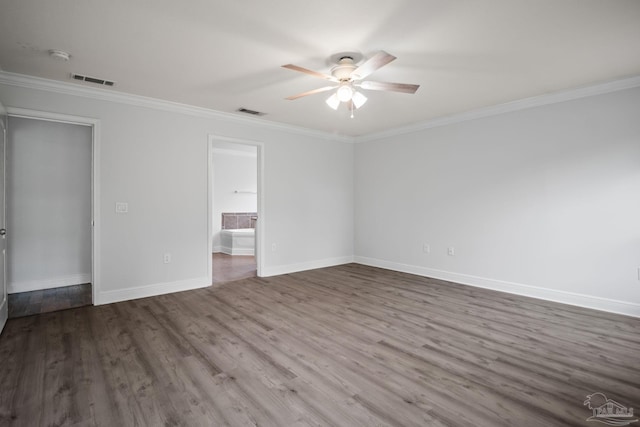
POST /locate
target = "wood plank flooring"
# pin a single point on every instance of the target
(48, 300)
(342, 346)
(227, 267)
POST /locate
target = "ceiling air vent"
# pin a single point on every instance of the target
(92, 80)
(251, 112)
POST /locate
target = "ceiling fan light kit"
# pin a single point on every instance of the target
(358, 99)
(345, 92)
(349, 75)
(333, 101)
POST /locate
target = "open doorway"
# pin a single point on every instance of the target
(49, 214)
(234, 211)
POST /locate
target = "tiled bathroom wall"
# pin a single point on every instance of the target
(235, 220)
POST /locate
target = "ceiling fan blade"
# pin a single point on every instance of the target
(310, 92)
(378, 60)
(310, 72)
(394, 87)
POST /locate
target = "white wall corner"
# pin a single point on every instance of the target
(580, 300)
(311, 265)
(108, 297)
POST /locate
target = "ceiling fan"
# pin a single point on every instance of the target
(348, 76)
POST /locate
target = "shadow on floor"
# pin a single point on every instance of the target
(48, 300)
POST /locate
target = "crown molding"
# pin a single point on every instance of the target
(66, 88)
(30, 82)
(507, 107)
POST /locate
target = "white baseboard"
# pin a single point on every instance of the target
(581, 300)
(217, 249)
(54, 282)
(108, 297)
(237, 251)
(311, 265)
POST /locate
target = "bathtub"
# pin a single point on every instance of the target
(239, 241)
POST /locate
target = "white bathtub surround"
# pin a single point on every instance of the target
(240, 241)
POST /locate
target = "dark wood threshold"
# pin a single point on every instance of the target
(49, 300)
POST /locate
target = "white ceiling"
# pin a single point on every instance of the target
(224, 55)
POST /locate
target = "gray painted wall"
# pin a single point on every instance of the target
(157, 161)
(48, 204)
(543, 201)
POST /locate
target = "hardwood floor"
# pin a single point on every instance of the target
(48, 300)
(342, 346)
(227, 268)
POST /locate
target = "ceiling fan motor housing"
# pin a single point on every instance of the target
(343, 70)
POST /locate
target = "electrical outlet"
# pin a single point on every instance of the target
(426, 248)
(167, 258)
(273, 247)
(451, 251)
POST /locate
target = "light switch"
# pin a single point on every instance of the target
(122, 207)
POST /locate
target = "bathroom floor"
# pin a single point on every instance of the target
(227, 268)
(48, 300)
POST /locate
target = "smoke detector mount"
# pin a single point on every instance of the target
(59, 54)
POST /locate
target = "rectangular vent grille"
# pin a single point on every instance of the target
(252, 112)
(92, 80)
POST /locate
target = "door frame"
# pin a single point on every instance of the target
(95, 181)
(260, 224)
(4, 296)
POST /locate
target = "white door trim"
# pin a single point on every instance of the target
(95, 180)
(261, 224)
(4, 296)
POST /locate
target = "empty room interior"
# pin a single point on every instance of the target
(403, 213)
